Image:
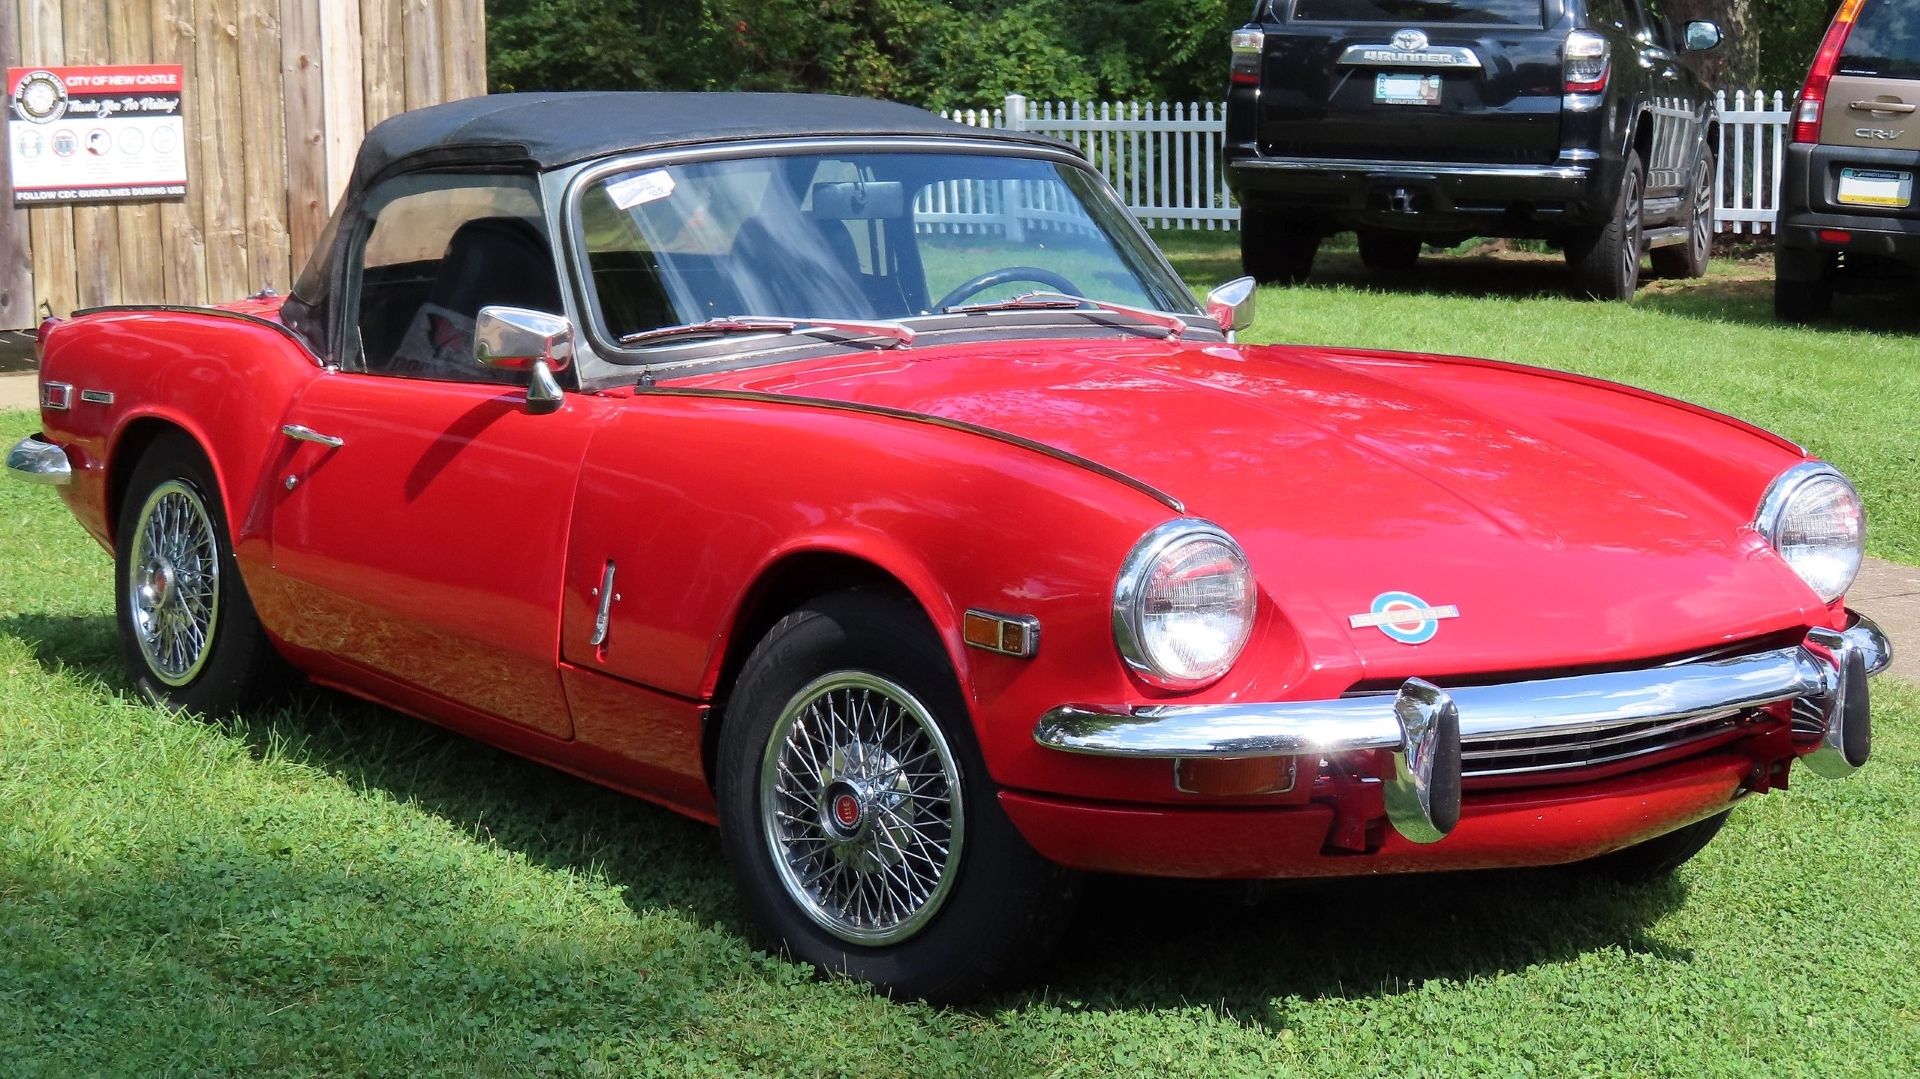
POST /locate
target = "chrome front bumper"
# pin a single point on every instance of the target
(35, 460)
(1425, 727)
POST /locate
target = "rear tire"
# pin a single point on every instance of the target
(1606, 260)
(1275, 249)
(1689, 260)
(857, 815)
(1660, 856)
(1803, 286)
(188, 631)
(1389, 252)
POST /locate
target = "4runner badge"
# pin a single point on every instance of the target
(1404, 617)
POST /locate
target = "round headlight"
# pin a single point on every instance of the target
(1815, 519)
(1183, 606)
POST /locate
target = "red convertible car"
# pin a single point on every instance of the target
(871, 486)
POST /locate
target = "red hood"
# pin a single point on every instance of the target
(1344, 482)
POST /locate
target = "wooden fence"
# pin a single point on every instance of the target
(276, 98)
(1163, 157)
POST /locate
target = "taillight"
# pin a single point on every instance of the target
(1588, 63)
(1246, 47)
(1813, 96)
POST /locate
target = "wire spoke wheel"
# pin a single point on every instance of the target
(861, 803)
(173, 583)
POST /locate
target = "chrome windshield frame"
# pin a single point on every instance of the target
(568, 187)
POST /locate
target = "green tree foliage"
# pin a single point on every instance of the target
(956, 53)
(928, 52)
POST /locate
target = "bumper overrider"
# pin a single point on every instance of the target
(1424, 727)
(35, 460)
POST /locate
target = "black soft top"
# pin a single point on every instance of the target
(555, 128)
(547, 130)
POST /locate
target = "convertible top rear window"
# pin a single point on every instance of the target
(1417, 12)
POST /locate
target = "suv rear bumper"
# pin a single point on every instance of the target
(1807, 207)
(1413, 195)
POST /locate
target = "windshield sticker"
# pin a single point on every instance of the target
(636, 190)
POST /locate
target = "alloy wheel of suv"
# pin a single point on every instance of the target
(1690, 259)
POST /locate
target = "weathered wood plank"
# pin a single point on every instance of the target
(383, 58)
(345, 106)
(43, 43)
(263, 142)
(463, 51)
(222, 149)
(304, 92)
(182, 235)
(422, 51)
(142, 280)
(16, 251)
(96, 229)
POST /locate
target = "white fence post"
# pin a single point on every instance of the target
(1162, 159)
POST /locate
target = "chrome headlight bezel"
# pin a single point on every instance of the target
(1776, 506)
(1130, 593)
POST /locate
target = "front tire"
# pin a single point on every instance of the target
(1689, 260)
(857, 816)
(1606, 260)
(188, 632)
(1660, 856)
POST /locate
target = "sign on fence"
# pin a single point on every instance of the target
(1164, 157)
(96, 134)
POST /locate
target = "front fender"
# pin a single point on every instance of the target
(694, 501)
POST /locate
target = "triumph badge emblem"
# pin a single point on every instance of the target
(1404, 617)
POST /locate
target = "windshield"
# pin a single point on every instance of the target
(1417, 12)
(875, 236)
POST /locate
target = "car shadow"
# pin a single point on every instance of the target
(1136, 944)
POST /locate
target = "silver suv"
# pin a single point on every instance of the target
(1847, 203)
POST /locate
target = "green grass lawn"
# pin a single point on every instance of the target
(1848, 389)
(332, 888)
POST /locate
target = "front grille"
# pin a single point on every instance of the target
(1488, 757)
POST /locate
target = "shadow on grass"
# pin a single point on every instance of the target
(1136, 944)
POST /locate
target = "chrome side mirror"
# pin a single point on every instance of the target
(1231, 305)
(1703, 36)
(517, 339)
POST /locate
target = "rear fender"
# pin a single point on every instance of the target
(224, 381)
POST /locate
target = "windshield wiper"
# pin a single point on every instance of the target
(898, 335)
(1060, 301)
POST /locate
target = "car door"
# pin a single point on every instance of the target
(1675, 109)
(419, 530)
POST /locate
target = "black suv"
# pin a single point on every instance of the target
(1846, 200)
(1430, 121)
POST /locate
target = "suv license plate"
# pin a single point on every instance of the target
(1406, 89)
(1871, 187)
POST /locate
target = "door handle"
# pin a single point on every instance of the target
(308, 434)
(1881, 106)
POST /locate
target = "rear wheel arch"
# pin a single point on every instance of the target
(135, 438)
(783, 587)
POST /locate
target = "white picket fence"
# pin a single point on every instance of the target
(1164, 157)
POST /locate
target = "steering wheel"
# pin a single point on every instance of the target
(982, 282)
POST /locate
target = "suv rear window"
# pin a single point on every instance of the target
(1885, 42)
(1419, 12)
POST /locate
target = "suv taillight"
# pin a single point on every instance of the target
(1813, 96)
(1588, 63)
(1246, 47)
